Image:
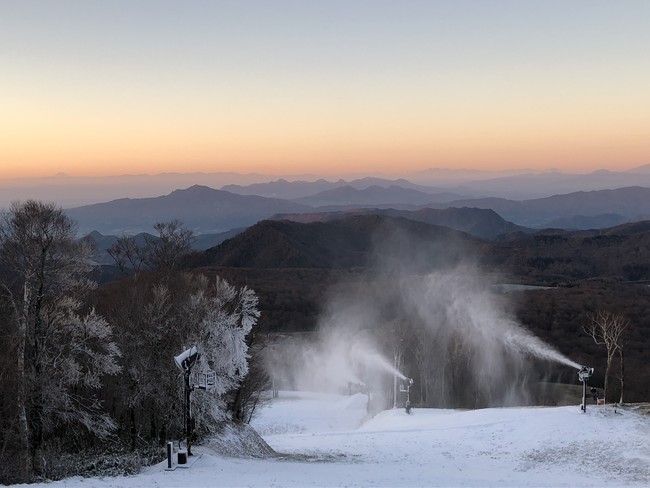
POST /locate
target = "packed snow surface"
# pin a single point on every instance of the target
(328, 440)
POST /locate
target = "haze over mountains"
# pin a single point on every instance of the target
(517, 184)
(210, 211)
(203, 209)
(219, 205)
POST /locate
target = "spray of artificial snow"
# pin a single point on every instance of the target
(375, 360)
(462, 301)
(344, 355)
(429, 311)
(523, 342)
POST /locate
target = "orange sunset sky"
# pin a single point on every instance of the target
(322, 87)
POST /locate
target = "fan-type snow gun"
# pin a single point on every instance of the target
(585, 373)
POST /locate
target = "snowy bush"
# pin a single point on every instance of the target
(111, 460)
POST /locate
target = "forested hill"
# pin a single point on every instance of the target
(356, 241)
(479, 222)
(620, 253)
(362, 241)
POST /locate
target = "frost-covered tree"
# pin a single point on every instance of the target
(62, 351)
(158, 316)
(77, 351)
(218, 318)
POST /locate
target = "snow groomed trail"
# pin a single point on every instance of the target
(327, 441)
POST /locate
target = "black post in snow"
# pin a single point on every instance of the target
(583, 375)
(186, 361)
(188, 411)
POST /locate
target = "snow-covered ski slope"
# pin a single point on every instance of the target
(328, 441)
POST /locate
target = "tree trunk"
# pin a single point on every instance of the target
(622, 376)
(36, 417)
(26, 466)
(236, 408)
(607, 371)
(252, 410)
(134, 431)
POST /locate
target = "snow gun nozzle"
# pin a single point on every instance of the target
(584, 373)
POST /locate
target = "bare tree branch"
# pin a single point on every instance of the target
(607, 328)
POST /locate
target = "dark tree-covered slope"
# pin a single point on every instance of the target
(479, 222)
(356, 241)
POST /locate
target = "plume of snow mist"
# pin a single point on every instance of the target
(343, 356)
(524, 342)
(425, 311)
(462, 301)
(374, 360)
(475, 339)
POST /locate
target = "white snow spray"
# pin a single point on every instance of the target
(428, 314)
(461, 299)
(343, 355)
(474, 339)
(375, 360)
(524, 342)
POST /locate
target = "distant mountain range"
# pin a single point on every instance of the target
(528, 184)
(515, 184)
(374, 195)
(312, 191)
(628, 204)
(209, 211)
(203, 209)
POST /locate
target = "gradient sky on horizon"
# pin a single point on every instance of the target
(278, 87)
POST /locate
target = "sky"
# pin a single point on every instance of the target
(326, 87)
